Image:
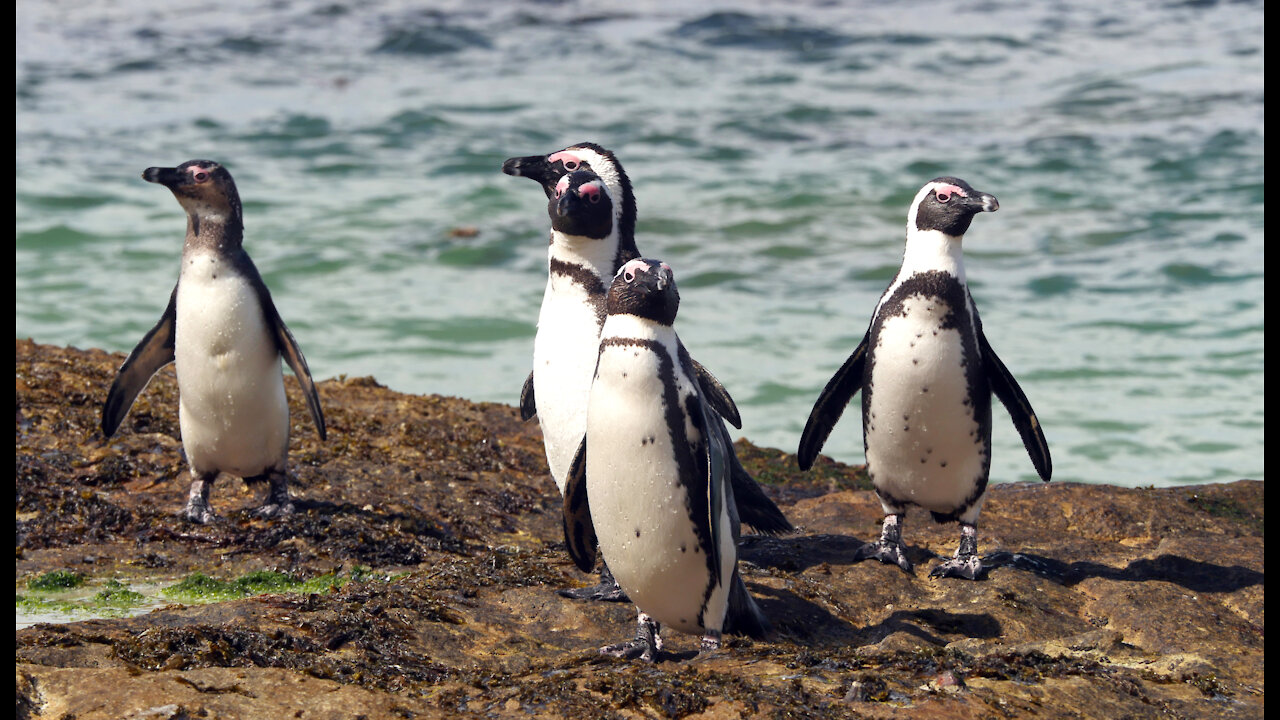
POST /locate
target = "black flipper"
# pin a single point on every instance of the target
(1024, 417)
(714, 393)
(830, 406)
(287, 346)
(152, 353)
(744, 617)
(717, 458)
(754, 507)
(528, 408)
(579, 532)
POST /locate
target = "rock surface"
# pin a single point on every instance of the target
(1105, 602)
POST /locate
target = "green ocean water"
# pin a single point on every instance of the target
(774, 148)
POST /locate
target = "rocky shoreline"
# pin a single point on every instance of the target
(1107, 602)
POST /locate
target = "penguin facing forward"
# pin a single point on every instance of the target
(580, 268)
(650, 481)
(226, 338)
(927, 373)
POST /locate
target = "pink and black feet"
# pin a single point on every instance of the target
(889, 549)
(277, 504)
(607, 590)
(966, 563)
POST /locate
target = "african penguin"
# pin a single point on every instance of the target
(649, 482)
(222, 331)
(927, 372)
(580, 268)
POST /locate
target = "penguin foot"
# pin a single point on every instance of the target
(632, 650)
(968, 567)
(889, 553)
(605, 591)
(709, 647)
(273, 509)
(198, 511)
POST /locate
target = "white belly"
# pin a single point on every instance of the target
(564, 359)
(923, 442)
(638, 506)
(232, 408)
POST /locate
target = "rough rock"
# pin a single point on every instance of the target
(1103, 602)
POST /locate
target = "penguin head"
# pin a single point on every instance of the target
(645, 288)
(580, 205)
(948, 204)
(203, 187)
(547, 170)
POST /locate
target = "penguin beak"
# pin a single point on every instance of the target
(982, 202)
(169, 177)
(536, 168)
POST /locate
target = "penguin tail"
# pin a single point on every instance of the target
(754, 507)
(744, 617)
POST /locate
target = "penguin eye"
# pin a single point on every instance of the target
(628, 276)
(595, 199)
(201, 176)
(570, 165)
(944, 195)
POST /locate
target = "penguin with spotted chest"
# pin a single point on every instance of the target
(650, 482)
(222, 331)
(927, 373)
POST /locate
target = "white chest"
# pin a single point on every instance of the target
(232, 408)
(564, 358)
(923, 442)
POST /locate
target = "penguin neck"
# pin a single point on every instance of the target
(634, 327)
(933, 250)
(595, 255)
(214, 229)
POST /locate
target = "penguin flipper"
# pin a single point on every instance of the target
(754, 507)
(286, 345)
(830, 406)
(1024, 416)
(153, 352)
(717, 458)
(528, 408)
(713, 392)
(579, 532)
(744, 616)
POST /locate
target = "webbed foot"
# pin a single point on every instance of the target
(888, 553)
(607, 590)
(966, 564)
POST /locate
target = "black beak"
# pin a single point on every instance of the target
(169, 177)
(982, 202)
(536, 168)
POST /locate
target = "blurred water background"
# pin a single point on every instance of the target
(774, 148)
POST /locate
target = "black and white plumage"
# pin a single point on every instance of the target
(223, 332)
(650, 482)
(927, 373)
(580, 268)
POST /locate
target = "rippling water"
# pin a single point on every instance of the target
(774, 147)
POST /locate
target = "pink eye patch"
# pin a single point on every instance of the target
(590, 191)
(628, 271)
(571, 161)
(944, 192)
(562, 185)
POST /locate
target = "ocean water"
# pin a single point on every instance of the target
(774, 148)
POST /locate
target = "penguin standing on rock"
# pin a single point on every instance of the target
(592, 236)
(222, 331)
(927, 372)
(649, 481)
